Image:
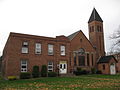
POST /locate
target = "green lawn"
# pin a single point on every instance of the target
(83, 82)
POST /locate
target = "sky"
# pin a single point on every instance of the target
(56, 17)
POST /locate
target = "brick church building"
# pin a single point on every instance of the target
(62, 54)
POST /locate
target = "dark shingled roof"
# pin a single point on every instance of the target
(73, 35)
(106, 59)
(95, 16)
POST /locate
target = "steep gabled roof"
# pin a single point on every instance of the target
(95, 16)
(106, 59)
(73, 35)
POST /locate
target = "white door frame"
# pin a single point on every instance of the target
(112, 69)
(63, 67)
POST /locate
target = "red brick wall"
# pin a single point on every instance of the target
(76, 44)
(94, 38)
(14, 55)
(107, 66)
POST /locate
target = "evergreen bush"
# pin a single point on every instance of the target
(25, 75)
(35, 72)
(52, 74)
(44, 71)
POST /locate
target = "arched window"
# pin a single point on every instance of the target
(81, 51)
(100, 29)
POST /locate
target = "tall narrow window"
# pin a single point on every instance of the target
(75, 63)
(62, 50)
(92, 59)
(38, 48)
(25, 47)
(81, 60)
(23, 65)
(92, 28)
(70, 60)
(100, 42)
(50, 49)
(98, 29)
(50, 66)
(88, 63)
(103, 67)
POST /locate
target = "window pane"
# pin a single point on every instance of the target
(88, 63)
(23, 66)
(60, 65)
(81, 60)
(50, 66)
(50, 63)
(50, 70)
(75, 61)
(24, 49)
(23, 62)
(64, 66)
(25, 44)
(50, 49)
(38, 45)
(62, 49)
(37, 48)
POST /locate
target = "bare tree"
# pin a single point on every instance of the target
(116, 38)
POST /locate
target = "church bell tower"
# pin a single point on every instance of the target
(96, 33)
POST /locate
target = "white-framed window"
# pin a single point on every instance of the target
(50, 49)
(23, 65)
(50, 66)
(62, 50)
(25, 47)
(38, 48)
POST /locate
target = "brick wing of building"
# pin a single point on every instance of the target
(62, 54)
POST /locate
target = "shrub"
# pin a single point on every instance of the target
(12, 78)
(85, 72)
(98, 72)
(79, 71)
(35, 72)
(44, 71)
(52, 74)
(25, 75)
(93, 70)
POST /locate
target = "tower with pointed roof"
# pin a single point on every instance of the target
(96, 33)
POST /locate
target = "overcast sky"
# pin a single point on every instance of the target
(56, 17)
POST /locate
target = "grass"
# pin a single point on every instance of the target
(83, 82)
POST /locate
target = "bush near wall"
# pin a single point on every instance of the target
(98, 72)
(25, 75)
(35, 72)
(93, 70)
(52, 74)
(44, 71)
(79, 71)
